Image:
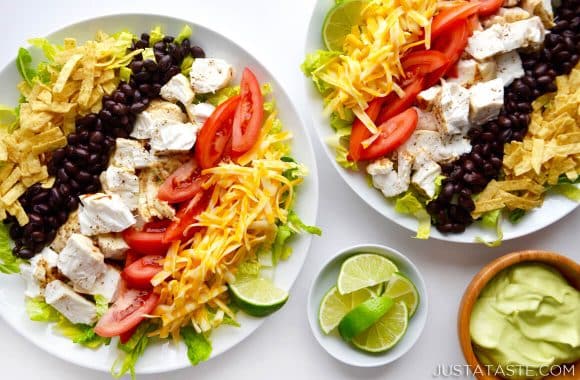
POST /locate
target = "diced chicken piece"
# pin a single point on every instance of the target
(108, 284)
(171, 137)
(199, 113)
(452, 109)
(427, 98)
(501, 38)
(506, 16)
(542, 9)
(487, 70)
(39, 271)
(509, 67)
(466, 73)
(131, 154)
(426, 120)
(389, 180)
(121, 181)
(82, 262)
(73, 306)
(113, 246)
(158, 111)
(210, 74)
(510, 3)
(103, 213)
(486, 101)
(430, 145)
(65, 231)
(150, 180)
(178, 89)
(425, 173)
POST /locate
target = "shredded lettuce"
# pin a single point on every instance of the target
(102, 305)
(186, 65)
(148, 53)
(341, 139)
(222, 95)
(564, 179)
(409, 204)
(314, 62)
(492, 219)
(516, 215)
(40, 311)
(568, 190)
(9, 263)
(24, 65)
(131, 352)
(155, 35)
(249, 269)
(47, 48)
(284, 232)
(198, 346)
(184, 33)
(125, 74)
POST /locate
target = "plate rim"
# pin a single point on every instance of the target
(312, 178)
(383, 211)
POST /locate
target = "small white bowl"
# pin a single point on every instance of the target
(332, 343)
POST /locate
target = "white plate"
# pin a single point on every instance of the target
(332, 342)
(224, 338)
(555, 206)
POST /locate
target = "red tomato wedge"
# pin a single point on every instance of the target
(446, 19)
(139, 274)
(395, 105)
(182, 184)
(360, 132)
(148, 241)
(127, 312)
(131, 256)
(186, 215)
(489, 7)
(215, 135)
(124, 337)
(453, 43)
(393, 133)
(249, 114)
(423, 62)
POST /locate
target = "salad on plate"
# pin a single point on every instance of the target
(144, 194)
(456, 111)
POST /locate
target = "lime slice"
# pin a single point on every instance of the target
(364, 316)
(335, 306)
(386, 332)
(402, 289)
(364, 270)
(339, 22)
(257, 296)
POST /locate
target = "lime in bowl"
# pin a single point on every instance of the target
(367, 285)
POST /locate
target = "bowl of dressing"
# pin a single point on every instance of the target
(520, 318)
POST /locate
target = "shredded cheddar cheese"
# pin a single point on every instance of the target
(370, 64)
(247, 198)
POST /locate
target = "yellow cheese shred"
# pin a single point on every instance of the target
(247, 198)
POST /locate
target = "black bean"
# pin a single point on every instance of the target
(41, 209)
(62, 216)
(544, 80)
(37, 236)
(92, 188)
(54, 198)
(186, 45)
(140, 44)
(95, 148)
(540, 69)
(62, 175)
(74, 186)
(127, 89)
(197, 52)
(81, 153)
(50, 235)
(52, 222)
(164, 63)
(150, 65)
(94, 159)
(145, 36)
(137, 107)
(72, 203)
(83, 177)
(119, 97)
(35, 218)
(24, 253)
(72, 139)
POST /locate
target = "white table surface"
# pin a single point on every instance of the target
(283, 348)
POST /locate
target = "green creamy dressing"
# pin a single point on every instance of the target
(526, 319)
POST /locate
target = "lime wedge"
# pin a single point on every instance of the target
(364, 270)
(335, 306)
(402, 289)
(386, 332)
(257, 296)
(363, 316)
(339, 22)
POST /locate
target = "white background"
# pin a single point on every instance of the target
(283, 348)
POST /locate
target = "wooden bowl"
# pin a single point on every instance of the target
(569, 269)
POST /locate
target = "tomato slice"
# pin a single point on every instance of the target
(393, 133)
(126, 336)
(453, 43)
(215, 135)
(489, 7)
(131, 256)
(423, 62)
(139, 274)
(149, 240)
(395, 105)
(127, 312)
(186, 215)
(446, 18)
(182, 184)
(360, 132)
(249, 114)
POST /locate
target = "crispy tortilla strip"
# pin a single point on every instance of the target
(10, 180)
(13, 194)
(66, 71)
(49, 146)
(16, 210)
